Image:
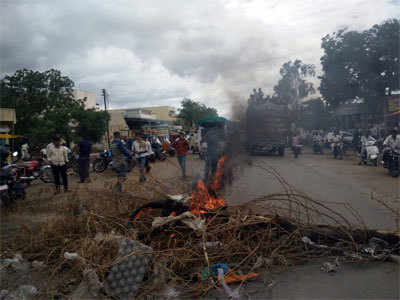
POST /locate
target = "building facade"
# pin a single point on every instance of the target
(156, 120)
(167, 114)
(7, 122)
(90, 97)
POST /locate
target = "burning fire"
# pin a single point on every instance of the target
(202, 201)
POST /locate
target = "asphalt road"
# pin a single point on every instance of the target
(324, 179)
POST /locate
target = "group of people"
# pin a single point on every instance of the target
(123, 151)
(390, 142)
(141, 148)
(58, 156)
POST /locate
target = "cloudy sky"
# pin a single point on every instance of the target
(156, 52)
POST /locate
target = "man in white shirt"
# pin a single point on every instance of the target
(58, 158)
(25, 151)
(141, 150)
(392, 141)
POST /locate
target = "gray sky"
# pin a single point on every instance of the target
(149, 53)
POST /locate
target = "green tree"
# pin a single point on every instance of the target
(91, 124)
(293, 85)
(43, 102)
(363, 65)
(191, 112)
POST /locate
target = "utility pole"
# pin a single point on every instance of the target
(104, 93)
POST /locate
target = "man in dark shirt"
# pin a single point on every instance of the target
(84, 148)
(212, 138)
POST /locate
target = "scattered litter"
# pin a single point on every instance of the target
(228, 291)
(20, 266)
(171, 293)
(187, 218)
(211, 244)
(308, 241)
(71, 256)
(271, 283)
(214, 270)
(36, 264)
(8, 261)
(331, 267)
(23, 292)
(3, 294)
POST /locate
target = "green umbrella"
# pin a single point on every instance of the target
(212, 120)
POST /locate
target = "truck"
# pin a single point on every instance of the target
(268, 127)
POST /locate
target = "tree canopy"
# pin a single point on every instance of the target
(191, 112)
(362, 65)
(293, 85)
(45, 106)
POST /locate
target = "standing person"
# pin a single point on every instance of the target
(141, 150)
(211, 139)
(84, 149)
(119, 155)
(149, 153)
(25, 151)
(4, 153)
(58, 158)
(181, 145)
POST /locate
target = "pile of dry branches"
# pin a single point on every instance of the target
(239, 236)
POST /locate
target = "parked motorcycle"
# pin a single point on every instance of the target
(370, 154)
(104, 160)
(337, 149)
(30, 171)
(296, 150)
(171, 151)
(158, 152)
(10, 189)
(392, 162)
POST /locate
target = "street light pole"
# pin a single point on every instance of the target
(104, 93)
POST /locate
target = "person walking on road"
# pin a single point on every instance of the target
(58, 158)
(141, 150)
(119, 155)
(181, 145)
(84, 149)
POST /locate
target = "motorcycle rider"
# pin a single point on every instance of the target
(337, 138)
(317, 140)
(391, 143)
(296, 144)
(365, 138)
(119, 152)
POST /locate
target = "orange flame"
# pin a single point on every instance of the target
(202, 201)
(217, 180)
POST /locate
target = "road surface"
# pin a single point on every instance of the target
(324, 179)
